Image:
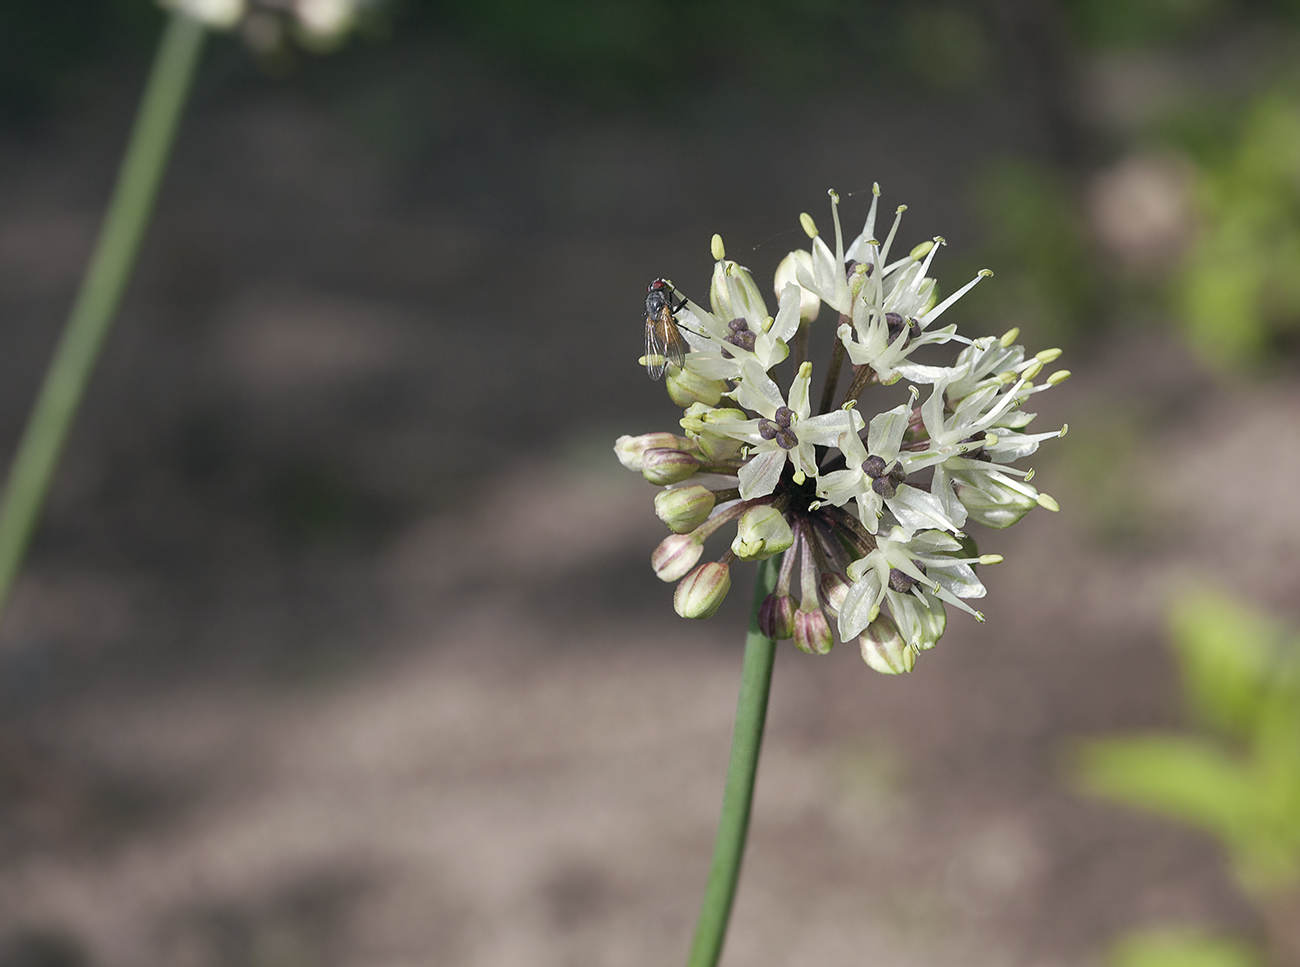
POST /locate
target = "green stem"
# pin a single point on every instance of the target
(746, 740)
(101, 291)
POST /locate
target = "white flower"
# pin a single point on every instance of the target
(962, 450)
(218, 14)
(721, 343)
(912, 574)
(326, 18)
(874, 476)
(317, 20)
(784, 431)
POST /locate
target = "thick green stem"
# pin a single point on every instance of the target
(746, 740)
(101, 291)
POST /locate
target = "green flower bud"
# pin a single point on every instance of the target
(630, 450)
(668, 466)
(761, 532)
(699, 420)
(701, 593)
(675, 556)
(776, 617)
(884, 649)
(685, 386)
(812, 633)
(684, 508)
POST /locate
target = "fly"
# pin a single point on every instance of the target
(664, 343)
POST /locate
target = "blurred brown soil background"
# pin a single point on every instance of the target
(339, 643)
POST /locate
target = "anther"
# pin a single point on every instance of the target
(874, 466)
(900, 582)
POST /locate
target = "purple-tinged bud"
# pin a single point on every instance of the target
(812, 633)
(675, 556)
(832, 587)
(630, 450)
(685, 386)
(684, 508)
(663, 467)
(776, 617)
(884, 649)
(761, 532)
(701, 593)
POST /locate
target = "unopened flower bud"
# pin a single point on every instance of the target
(812, 633)
(832, 586)
(776, 616)
(630, 450)
(761, 532)
(668, 466)
(884, 649)
(686, 386)
(699, 421)
(701, 593)
(675, 556)
(810, 304)
(684, 508)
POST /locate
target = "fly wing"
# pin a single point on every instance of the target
(674, 343)
(656, 359)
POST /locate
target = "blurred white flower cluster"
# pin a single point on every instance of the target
(264, 22)
(867, 507)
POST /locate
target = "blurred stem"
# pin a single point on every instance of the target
(101, 291)
(746, 740)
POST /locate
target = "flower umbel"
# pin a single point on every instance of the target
(315, 23)
(863, 509)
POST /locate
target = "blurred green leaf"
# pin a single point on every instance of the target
(1226, 653)
(1184, 779)
(1242, 680)
(1131, 23)
(1239, 289)
(1174, 947)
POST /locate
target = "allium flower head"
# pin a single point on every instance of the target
(863, 495)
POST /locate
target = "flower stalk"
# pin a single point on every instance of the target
(742, 769)
(101, 291)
